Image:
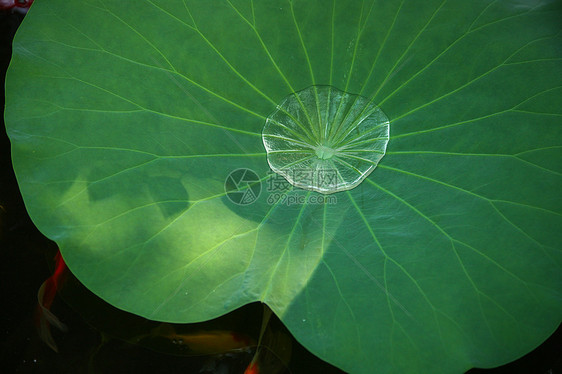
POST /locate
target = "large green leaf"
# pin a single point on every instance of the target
(126, 120)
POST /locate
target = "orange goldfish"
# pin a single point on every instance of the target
(203, 342)
(44, 318)
(253, 368)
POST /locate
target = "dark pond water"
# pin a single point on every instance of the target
(102, 339)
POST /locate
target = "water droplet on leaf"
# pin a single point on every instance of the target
(325, 140)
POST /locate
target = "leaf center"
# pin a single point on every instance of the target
(325, 153)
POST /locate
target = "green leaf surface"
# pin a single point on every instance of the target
(125, 122)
